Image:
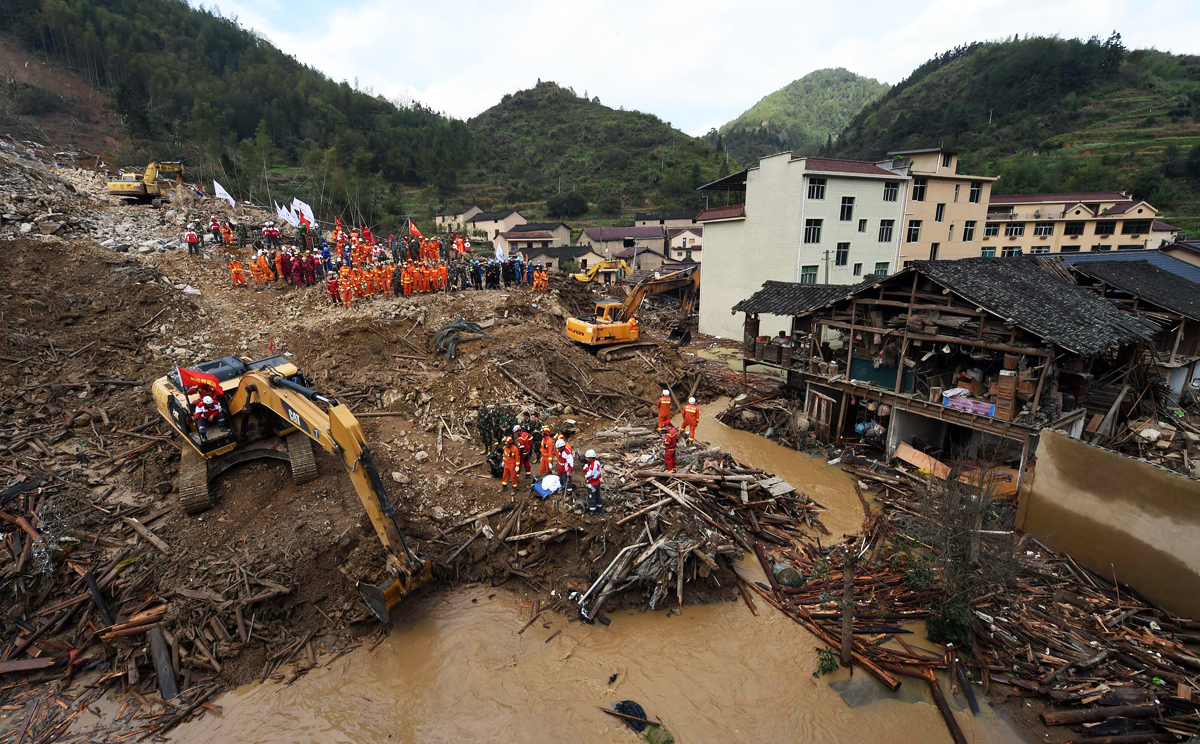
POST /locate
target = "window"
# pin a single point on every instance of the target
(812, 231)
(891, 191)
(914, 231)
(885, 230)
(918, 189)
(933, 248)
(1130, 247)
(939, 212)
(816, 188)
(583, 263)
(950, 235)
(1014, 229)
(881, 268)
(847, 208)
(1101, 248)
(1073, 228)
(976, 192)
(947, 158)
(1069, 249)
(858, 269)
(988, 251)
(991, 229)
(1135, 227)
(1106, 227)
(1010, 250)
(1039, 249)
(1044, 229)
(842, 255)
(968, 231)
(808, 274)
(956, 192)
(862, 226)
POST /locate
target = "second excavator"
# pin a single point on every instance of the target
(234, 409)
(613, 329)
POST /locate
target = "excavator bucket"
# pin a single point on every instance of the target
(680, 336)
(384, 598)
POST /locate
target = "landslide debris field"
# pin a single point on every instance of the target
(101, 301)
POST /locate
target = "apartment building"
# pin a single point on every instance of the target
(1095, 221)
(804, 219)
(945, 210)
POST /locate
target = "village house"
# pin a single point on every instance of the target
(553, 258)
(807, 220)
(1184, 250)
(609, 241)
(968, 358)
(945, 211)
(642, 258)
(1097, 221)
(685, 243)
(532, 235)
(685, 218)
(489, 225)
(455, 220)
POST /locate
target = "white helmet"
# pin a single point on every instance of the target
(516, 428)
(692, 401)
(208, 400)
(590, 454)
(560, 443)
(666, 393)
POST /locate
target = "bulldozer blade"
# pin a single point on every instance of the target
(383, 599)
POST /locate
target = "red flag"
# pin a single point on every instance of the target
(192, 377)
(412, 229)
(336, 220)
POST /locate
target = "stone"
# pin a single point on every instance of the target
(109, 243)
(421, 456)
(26, 227)
(163, 487)
(438, 514)
(401, 478)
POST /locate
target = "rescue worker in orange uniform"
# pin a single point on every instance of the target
(256, 270)
(369, 280)
(664, 410)
(670, 442)
(279, 265)
(512, 465)
(406, 280)
(387, 279)
(347, 289)
(691, 417)
(264, 263)
(235, 269)
(444, 277)
(546, 451)
(525, 444)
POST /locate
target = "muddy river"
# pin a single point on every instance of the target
(455, 669)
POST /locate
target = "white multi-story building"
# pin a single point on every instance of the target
(805, 219)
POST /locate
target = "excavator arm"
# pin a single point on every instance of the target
(338, 432)
(687, 279)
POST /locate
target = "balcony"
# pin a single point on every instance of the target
(1038, 214)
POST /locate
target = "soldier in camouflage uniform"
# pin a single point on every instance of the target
(505, 421)
(485, 424)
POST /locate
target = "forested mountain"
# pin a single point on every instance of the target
(195, 85)
(1052, 115)
(801, 116)
(548, 139)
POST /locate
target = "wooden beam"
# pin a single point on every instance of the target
(941, 308)
(1027, 350)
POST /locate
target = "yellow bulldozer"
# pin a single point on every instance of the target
(613, 330)
(268, 409)
(146, 187)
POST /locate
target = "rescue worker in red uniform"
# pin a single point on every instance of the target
(525, 444)
(566, 464)
(670, 442)
(192, 239)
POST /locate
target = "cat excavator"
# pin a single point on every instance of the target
(600, 269)
(613, 331)
(269, 409)
(145, 187)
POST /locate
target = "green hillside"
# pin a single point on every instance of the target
(1052, 115)
(800, 116)
(539, 142)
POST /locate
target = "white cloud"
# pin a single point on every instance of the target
(694, 64)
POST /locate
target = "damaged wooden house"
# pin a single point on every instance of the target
(955, 359)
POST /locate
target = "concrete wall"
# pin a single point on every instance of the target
(865, 248)
(1112, 512)
(940, 190)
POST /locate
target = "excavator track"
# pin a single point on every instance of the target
(194, 495)
(622, 351)
(300, 454)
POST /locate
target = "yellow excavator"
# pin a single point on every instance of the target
(268, 409)
(593, 272)
(145, 187)
(613, 330)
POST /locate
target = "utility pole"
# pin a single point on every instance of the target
(827, 266)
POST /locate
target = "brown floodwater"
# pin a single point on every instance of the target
(455, 669)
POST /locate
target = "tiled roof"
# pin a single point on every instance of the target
(1122, 208)
(1018, 290)
(733, 211)
(686, 215)
(454, 213)
(603, 234)
(1160, 226)
(673, 231)
(489, 216)
(527, 235)
(837, 165)
(1159, 258)
(789, 298)
(534, 226)
(561, 252)
(635, 251)
(1074, 197)
(1147, 282)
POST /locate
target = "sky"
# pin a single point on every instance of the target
(696, 63)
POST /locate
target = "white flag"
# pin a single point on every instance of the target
(285, 215)
(499, 252)
(220, 193)
(300, 207)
